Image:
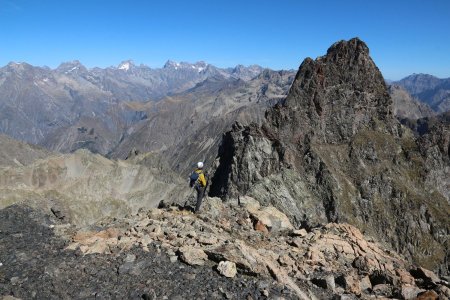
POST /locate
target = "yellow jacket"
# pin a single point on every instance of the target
(201, 177)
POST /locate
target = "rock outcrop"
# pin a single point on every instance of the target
(34, 265)
(334, 260)
(334, 152)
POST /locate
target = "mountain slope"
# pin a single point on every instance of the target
(334, 152)
(407, 107)
(86, 188)
(15, 153)
(233, 250)
(188, 127)
(429, 89)
(36, 102)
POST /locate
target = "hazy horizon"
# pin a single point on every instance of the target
(182, 61)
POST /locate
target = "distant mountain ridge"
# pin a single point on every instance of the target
(72, 107)
(190, 125)
(37, 101)
(429, 89)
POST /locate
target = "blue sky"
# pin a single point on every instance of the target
(404, 37)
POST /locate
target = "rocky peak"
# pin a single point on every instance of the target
(418, 83)
(71, 67)
(246, 73)
(18, 67)
(333, 152)
(199, 66)
(339, 93)
(126, 65)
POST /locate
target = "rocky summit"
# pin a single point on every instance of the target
(334, 152)
(233, 250)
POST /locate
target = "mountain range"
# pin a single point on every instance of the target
(103, 110)
(37, 101)
(324, 183)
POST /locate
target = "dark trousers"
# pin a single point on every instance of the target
(200, 192)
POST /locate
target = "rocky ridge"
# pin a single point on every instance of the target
(238, 240)
(15, 153)
(333, 152)
(83, 188)
(429, 89)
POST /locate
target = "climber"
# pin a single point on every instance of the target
(197, 180)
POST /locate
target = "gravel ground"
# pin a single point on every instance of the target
(35, 266)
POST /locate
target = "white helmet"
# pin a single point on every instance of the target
(200, 165)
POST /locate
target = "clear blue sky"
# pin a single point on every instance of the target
(404, 36)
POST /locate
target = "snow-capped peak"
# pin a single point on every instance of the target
(125, 65)
(172, 64)
(198, 66)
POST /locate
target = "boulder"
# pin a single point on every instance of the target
(350, 283)
(383, 290)
(227, 268)
(365, 284)
(443, 291)
(207, 240)
(410, 291)
(259, 226)
(249, 203)
(272, 218)
(244, 257)
(286, 260)
(405, 276)
(326, 282)
(192, 256)
(212, 206)
(300, 232)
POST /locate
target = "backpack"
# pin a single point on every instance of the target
(193, 178)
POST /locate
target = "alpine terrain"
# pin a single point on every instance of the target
(322, 184)
(334, 152)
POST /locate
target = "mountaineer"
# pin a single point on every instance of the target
(198, 181)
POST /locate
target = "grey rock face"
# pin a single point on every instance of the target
(406, 106)
(333, 152)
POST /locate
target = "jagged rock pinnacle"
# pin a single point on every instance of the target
(333, 152)
(337, 94)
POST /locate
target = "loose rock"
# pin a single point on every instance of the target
(193, 256)
(227, 268)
